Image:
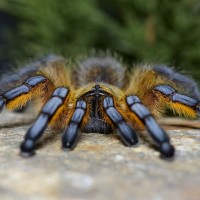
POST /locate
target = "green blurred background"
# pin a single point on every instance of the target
(154, 31)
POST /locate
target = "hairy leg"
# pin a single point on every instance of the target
(72, 131)
(33, 87)
(49, 110)
(157, 133)
(37, 79)
(146, 82)
(126, 132)
(179, 103)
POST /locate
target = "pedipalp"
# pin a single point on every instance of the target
(72, 131)
(126, 132)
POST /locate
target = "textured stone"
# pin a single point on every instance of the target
(100, 167)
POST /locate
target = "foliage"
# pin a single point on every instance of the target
(142, 31)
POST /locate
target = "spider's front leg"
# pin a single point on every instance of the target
(50, 109)
(156, 132)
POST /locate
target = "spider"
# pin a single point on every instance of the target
(100, 95)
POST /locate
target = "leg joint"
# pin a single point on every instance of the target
(165, 89)
(130, 100)
(108, 102)
(61, 92)
(33, 81)
(23, 89)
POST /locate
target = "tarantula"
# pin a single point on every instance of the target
(99, 95)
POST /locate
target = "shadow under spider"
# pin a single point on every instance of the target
(48, 138)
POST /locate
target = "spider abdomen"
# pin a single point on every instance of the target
(100, 69)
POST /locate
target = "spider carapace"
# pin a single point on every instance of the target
(99, 94)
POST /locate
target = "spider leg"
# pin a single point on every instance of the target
(38, 128)
(71, 133)
(180, 103)
(126, 132)
(19, 96)
(156, 132)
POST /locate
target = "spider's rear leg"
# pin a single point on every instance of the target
(179, 103)
(19, 96)
(17, 89)
(156, 132)
(71, 133)
(128, 135)
(50, 109)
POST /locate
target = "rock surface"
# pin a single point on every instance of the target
(100, 167)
